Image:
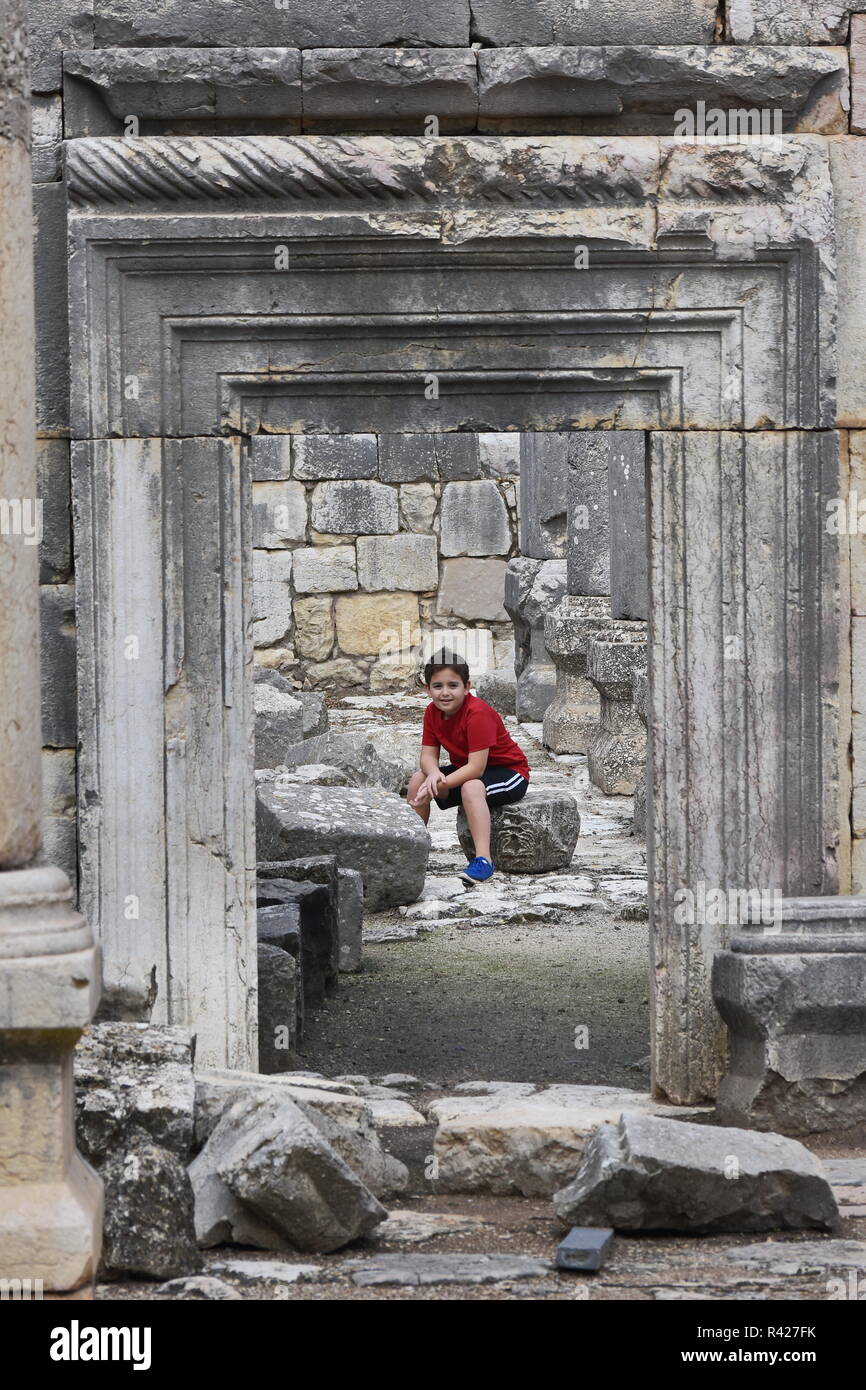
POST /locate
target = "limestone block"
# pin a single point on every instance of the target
(279, 724)
(355, 508)
(329, 456)
(278, 1009)
(643, 791)
(149, 1226)
(55, 25)
(301, 918)
(848, 171)
(858, 74)
(353, 754)
(499, 455)
(305, 24)
(389, 89)
(616, 753)
(47, 117)
(339, 674)
(173, 86)
(457, 456)
(795, 21)
(638, 90)
(417, 507)
(314, 627)
(52, 319)
(858, 722)
(646, 1173)
(499, 688)
(562, 22)
(134, 1076)
(373, 624)
(473, 589)
(325, 569)
(279, 514)
(270, 457)
(589, 456)
(407, 458)
(398, 562)
(572, 716)
(629, 583)
(272, 596)
(368, 830)
(533, 836)
(474, 520)
(544, 478)
(350, 910)
(59, 821)
(57, 648)
(53, 490)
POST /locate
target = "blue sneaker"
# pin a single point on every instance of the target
(479, 871)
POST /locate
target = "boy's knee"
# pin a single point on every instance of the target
(473, 790)
(415, 780)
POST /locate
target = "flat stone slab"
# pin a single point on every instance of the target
(265, 1274)
(799, 1256)
(532, 836)
(446, 1269)
(415, 1227)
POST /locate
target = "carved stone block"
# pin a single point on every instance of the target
(390, 89)
(533, 836)
(616, 752)
(572, 716)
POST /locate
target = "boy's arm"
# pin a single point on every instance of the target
(429, 758)
(474, 768)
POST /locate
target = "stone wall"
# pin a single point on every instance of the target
(367, 546)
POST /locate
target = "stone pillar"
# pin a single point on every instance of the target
(617, 747)
(745, 707)
(640, 700)
(629, 549)
(532, 589)
(572, 716)
(50, 1201)
(792, 990)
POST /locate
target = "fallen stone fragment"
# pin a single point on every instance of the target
(352, 754)
(134, 1074)
(585, 1247)
(279, 723)
(198, 1288)
(445, 1269)
(275, 1161)
(148, 1227)
(278, 1008)
(790, 1258)
(650, 1174)
(267, 1276)
(414, 1227)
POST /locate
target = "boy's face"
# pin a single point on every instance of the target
(446, 690)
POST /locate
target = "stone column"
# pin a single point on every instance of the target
(572, 716)
(640, 699)
(50, 1200)
(617, 747)
(532, 589)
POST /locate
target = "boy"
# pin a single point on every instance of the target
(487, 767)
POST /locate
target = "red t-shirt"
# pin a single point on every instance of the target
(474, 727)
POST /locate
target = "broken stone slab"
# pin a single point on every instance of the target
(616, 752)
(793, 1257)
(381, 89)
(279, 723)
(499, 689)
(793, 994)
(366, 829)
(353, 754)
(414, 1269)
(416, 1227)
(572, 715)
(274, 1160)
(532, 836)
(289, 910)
(278, 1008)
(508, 1141)
(197, 1288)
(148, 1227)
(269, 1278)
(350, 918)
(134, 1075)
(646, 1173)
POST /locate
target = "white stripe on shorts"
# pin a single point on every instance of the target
(505, 786)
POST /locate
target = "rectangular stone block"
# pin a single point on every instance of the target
(589, 457)
(53, 491)
(270, 457)
(629, 584)
(59, 824)
(350, 914)
(398, 562)
(325, 569)
(355, 508)
(858, 722)
(418, 504)
(543, 495)
(279, 514)
(390, 89)
(407, 458)
(500, 25)
(57, 653)
(474, 520)
(52, 26)
(793, 21)
(167, 88)
(375, 624)
(858, 74)
(326, 456)
(499, 455)
(47, 117)
(848, 172)
(52, 333)
(457, 456)
(300, 23)
(473, 589)
(314, 627)
(272, 596)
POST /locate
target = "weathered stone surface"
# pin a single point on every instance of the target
(270, 457)
(473, 589)
(134, 1076)
(398, 562)
(544, 480)
(796, 21)
(149, 1226)
(198, 1288)
(279, 514)
(301, 917)
(562, 22)
(638, 90)
(52, 481)
(418, 504)
(410, 1270)
(457, 456)
(340, 674)
(589, 457)
(532, 589)
(629, 584)
(279, 723)
(272, 596)
(499, 689)
(793, 999)
(353, 754)
(59, 821)
(51, 294)
(474, 520)
(314, 627)
(325, 569)
(407, 458)
(323, 456)
(499, 455)
(57, 637)
(350, 918)
(275, 1160)
(512, 1139)
(47, 115)
(848, 170)
(217, 1091)
(167, 88)
(371, 831)
(389, 89)
(314, 713)
(376, 624)
(520, 575)
(355, 508)
(647, 1173)
(571, 718)
(532, 836)
(278, 1008)
(643, 790)
(616, 752)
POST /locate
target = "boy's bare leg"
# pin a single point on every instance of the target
(415, 782)
(474, 794)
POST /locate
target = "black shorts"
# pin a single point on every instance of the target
(503, 784)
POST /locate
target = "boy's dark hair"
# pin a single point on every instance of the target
(446, 660)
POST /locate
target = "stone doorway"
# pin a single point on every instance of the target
(711, 331)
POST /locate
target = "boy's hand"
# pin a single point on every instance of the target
(427, 789)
